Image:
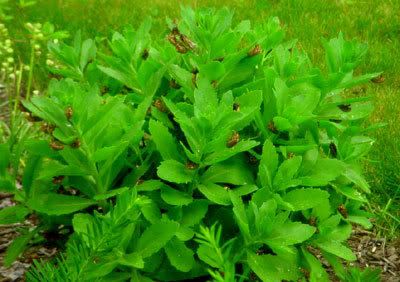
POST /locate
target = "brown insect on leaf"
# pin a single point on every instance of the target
(69, 112)
(76, 143)
(145, 54)
(214, 83)
(160, 105)
(58, 179)
(312, 221)
(236, 107)
(47, 128)
(172, 39)
(378, 79)
(343, 211)
(57, 146)
(181, 49)
(191, 165)
(219, 59)
(333, 149)
(233, 140)
(252, 159)
(290, 155)
(272, 127)
(255, 51)
(345, 108)
(173, 84)
(189, 44)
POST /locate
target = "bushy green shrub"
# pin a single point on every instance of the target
(217, 153)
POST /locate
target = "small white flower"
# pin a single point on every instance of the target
(11, 76)
(55, 41)
(29, 25)
(49, 62)
(10, 50)
(35, 92)
(36, 47)
(26, 67)
(10, 59)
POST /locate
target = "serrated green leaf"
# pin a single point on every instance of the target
(317, 272)
(336, 248)
(156, 237)
(174, 197)
(233, 171)
(215, 193)
(193, 213)
(286, 172)
(134, 260)
(180, 256)
(302, 199)
(165, 143)
(357, 179)
(272, 268)
(289, 233)
(174, 171)
(361, 220)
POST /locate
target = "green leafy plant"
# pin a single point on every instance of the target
(217, 153)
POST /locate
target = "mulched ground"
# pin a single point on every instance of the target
(370, 251)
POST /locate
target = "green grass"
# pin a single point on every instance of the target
(374, 22)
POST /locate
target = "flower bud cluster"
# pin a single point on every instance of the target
(7, 61)
(35, 29)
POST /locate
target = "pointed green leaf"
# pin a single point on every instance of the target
(13, 214)
(57, 204)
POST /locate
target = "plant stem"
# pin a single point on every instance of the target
(17, 92)
(30, 75)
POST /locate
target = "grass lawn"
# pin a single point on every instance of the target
(374, 22)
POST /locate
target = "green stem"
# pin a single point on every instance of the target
(30, 75)
(17, 92)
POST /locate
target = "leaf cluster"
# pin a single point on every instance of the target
(219, 152)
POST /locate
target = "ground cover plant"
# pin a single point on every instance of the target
(375, 22)
(220, 152)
